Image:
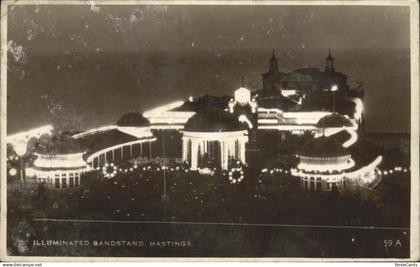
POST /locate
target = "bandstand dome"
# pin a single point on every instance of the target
(323, 147)
(334, 120)
(59, 163)
(214, 120)
(323, 164)
(134, 119)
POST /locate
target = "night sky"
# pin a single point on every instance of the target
(91, 64)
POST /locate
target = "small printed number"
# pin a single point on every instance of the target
(392, 243)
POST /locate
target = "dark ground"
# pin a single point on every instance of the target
(267, 199)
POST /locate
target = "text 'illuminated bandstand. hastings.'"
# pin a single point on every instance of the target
(215, 135)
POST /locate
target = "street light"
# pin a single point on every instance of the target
(20, 149)
(12, 172)
(165, 197)
(334, 88)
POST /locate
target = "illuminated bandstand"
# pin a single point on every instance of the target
(216, 135)
(214, 132)
(59, 171)
(322, 164)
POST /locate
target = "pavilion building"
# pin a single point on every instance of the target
(59, 162)
(305, 80)
(322, 164)
(218, 131)
(326, 165)
(129, 138)
(59, 171)
(214, 135)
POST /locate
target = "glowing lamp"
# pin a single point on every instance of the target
(12, 172)
(242, 96)
(358, 109)
(20, 148)
(334, 88)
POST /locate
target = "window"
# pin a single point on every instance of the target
(57, 182)
(76, 180)
(63, 182)
(312, 185)
(318, 186)
(71, 182)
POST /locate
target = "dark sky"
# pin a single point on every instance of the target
(93, 64)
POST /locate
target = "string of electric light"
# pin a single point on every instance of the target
(275, 170)
(395, 169)
(236, 175)
(289, 171)
(109, 170)
(207, 171)
(146, 168)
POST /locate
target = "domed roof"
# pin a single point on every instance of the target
(334, 120)
(133, 119)
(213, 120)
(323, 147)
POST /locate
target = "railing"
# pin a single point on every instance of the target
(158, 160)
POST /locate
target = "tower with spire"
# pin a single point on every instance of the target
(273, 77)
(329, 62)
(274, 67)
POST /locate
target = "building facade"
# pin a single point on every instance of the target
(304, 80)
(220, 131)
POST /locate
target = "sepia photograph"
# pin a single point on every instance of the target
(265, 130)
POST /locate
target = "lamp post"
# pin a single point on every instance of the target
(165, 197)
(334, 88)
(20, 149)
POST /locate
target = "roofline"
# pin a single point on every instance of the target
(105, 150)
(214, 135)
(94, 131)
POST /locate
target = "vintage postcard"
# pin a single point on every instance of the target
(208, 130)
